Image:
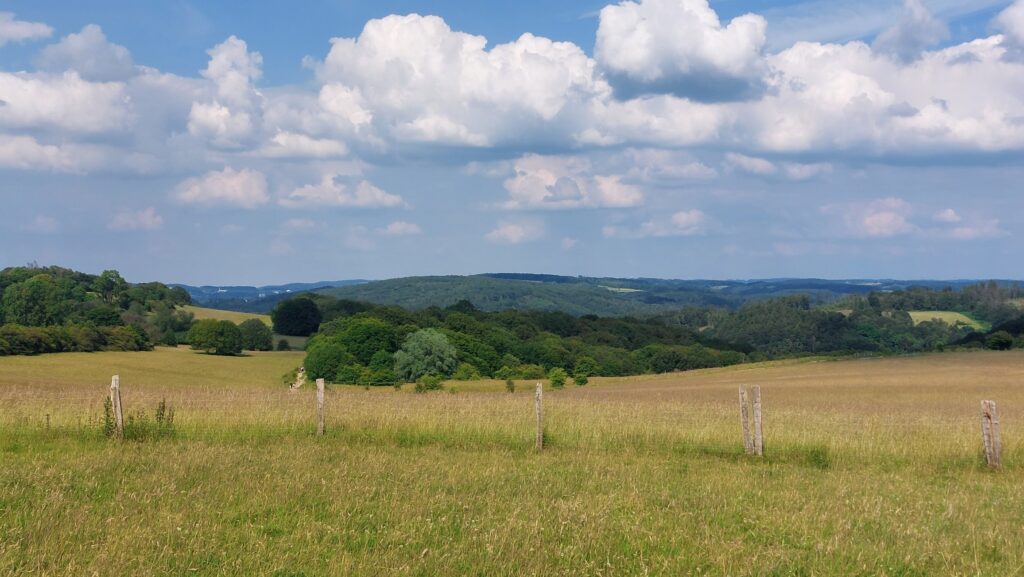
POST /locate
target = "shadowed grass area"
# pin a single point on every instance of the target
(872, 467)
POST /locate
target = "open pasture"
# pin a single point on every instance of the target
(872, 467)
(948, 317)
(236, 317)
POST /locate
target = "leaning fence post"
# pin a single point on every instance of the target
(115, 404)
(758, 436)
(319, 407)
(748, 444)
(990, 434)
(538, 401)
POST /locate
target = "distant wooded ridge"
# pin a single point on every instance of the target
(575, 295)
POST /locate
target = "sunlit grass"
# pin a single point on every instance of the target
(948, 317)
(872, 468)
(236, 317)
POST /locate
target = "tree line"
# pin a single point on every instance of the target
(362, 343)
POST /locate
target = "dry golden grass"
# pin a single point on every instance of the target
(201, 313)
(872, 468)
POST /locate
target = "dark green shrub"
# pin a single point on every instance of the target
(999, 341)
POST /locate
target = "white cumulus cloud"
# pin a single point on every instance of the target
(680, 47)
(515, 232)
(1011, 22)
(244, 188)
(14, 30)
(420, 81)
(334, 191)
(882, 218)
(682, 223)
(553, 182)
(64, 102)
(90, 54)
(947, 215)
(916, 31)
(128, 220)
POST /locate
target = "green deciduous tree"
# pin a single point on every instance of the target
(216, 337)
(324, 356)
(366, 336)
(110, 286)
(425, 352)
(256, 335)
(298, 317)
(36, 302)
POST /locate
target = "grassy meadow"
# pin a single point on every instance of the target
(236, 317)
(872, 467)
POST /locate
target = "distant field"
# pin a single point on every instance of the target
(949, 317)
(219, 315)
(872, 468)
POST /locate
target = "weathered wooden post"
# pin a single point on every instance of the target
(990, 435)
(319, 407)
(538, 401)
(758, 436)
(115, 403)
(748, 443)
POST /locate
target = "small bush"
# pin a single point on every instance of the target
(349, 374)
(530, 372)
(510, 385)
(284, 345)
(466, 372)
(429, 383)
(557, 376)
(138, 426)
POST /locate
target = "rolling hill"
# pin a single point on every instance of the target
(603, 296)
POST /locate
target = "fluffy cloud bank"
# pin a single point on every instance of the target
(416, 80)
(667, 77)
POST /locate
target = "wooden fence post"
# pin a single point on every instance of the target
(115, 403)
(538, 401)
(319, 407)
(748, 443)
(990, 435)
(758, 436)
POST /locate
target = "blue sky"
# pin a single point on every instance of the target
(237, 143)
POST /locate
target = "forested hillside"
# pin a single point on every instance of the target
(53, 309)
(604, 296)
